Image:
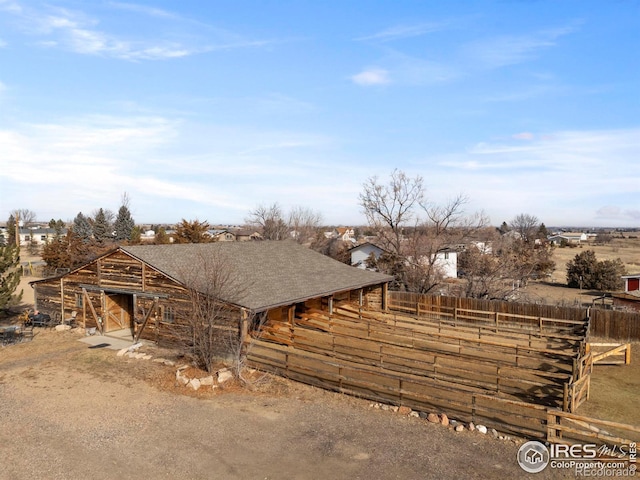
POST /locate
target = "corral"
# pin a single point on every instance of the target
(502, 364)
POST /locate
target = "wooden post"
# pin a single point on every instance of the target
(627, 354)
(565, 398)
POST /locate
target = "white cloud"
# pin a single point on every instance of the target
(373, 76)
(507, 50)
(523, 136)
(80, 33)
(406, 31)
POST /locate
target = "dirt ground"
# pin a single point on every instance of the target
(70, 411)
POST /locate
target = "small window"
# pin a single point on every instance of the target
(43, 238)
(168, 315)
(78, 300)
(446, 255)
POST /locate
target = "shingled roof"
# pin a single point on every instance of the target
(275, 273)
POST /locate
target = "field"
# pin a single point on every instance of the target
(553, 290)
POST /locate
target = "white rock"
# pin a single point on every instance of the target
(147, 357)
(62, 328)
(459, 428)
(158, 360)
(414, 414)
(139, 355)
(194, 384)
(135, 346)
(169, 363)
(207, 380)
(122, 351)
(481, 428)
(182, 379)
(224, 376)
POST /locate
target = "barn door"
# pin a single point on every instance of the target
(118, 312)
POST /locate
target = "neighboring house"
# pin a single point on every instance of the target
(360, 254)
(144, 288)
(346, 234)
(244, 235)
(37, 236)
(571, 238)
(446, 261)
(222, 236)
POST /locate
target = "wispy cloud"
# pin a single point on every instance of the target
(371, 77)
(397, 32)
(81, 33)
(501, 51)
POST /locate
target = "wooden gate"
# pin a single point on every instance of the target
(118, 312)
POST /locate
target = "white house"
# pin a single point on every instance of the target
(573, 238)
(360, 254)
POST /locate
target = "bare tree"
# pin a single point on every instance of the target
(25, 216)
(526, 225)
(414, 252)
(389, 208)
(271, 220)
(213, 329)
(305, 223)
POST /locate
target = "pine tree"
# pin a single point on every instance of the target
(10, 274)
(124, 224)
(101, 227)
(82, 228)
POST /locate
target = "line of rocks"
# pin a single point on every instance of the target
(214, 381)
(444, 420)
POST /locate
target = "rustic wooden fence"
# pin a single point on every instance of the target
(615, 325)
(497, 368)
(565, 427)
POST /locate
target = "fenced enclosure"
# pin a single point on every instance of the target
(502, 366)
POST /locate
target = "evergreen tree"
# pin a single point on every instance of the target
(162, 238)
(585, 271)
(10, 273)
(101, 227)
(82, 228)
(124, 224)
(192, 232)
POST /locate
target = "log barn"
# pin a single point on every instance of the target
(145, 291)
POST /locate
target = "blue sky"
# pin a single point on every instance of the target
(208, 109)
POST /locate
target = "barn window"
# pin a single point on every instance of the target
(78, 300)
(168, 315)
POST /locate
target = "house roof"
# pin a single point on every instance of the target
(273, 273)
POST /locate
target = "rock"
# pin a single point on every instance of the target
(121, 352)
(170, 363)
(453, 423)
(404, 410)
(135, 346)
(62, 328)
(131, 355)
(158, 360)
(433, 418)
(207, 380)
(224, 375)
(472, 427)
(494, 432)
(183, 367)
(444, 419)
(138, 355)
(423, 415)
(414, 414)
(182, 380)
(385, 407)
(394, 409)
(459, 428)
(481, 428)
(147, 357)
(194, 384)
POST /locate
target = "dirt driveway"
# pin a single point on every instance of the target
(68, 411)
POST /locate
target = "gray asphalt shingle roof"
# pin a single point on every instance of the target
(273, 273)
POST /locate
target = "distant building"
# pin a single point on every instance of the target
(630, 298)
(571, 238)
